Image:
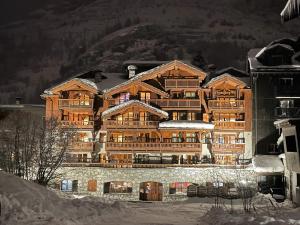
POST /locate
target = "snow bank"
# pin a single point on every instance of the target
(27, 203)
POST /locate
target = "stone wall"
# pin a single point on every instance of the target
(162, 175)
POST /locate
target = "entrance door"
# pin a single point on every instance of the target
(151, 191)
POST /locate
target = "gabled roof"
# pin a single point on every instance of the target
(291, 10)
(118, 88)
(150, 74)
(225, 78)
(85, 83)
(130, 103)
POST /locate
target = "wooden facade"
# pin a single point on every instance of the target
(167, 115)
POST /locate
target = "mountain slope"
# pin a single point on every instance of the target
(66, 37)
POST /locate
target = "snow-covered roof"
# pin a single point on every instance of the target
(128, 103)
(195, 124)
(142, 74)
(267, 164)
(222, 77)
(81, 80)
(291, 10)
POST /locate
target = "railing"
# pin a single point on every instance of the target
(81, 146)
(229, 124)
(228, 148)
(226, 104)
(75, 103)
(130, 124)
(176, 103)
(287, 112)
(77, 124)
(182, 83)
(150, 146)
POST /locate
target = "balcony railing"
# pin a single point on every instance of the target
(229, 124)
(75, 103)
(228, 148)
(77, 124)
(177, 103)
(287, 112)
(226, 104)
(153, 147)
(182, 83)
(130, 124)
(81, 146)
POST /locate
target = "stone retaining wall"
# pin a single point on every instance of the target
(162, 175)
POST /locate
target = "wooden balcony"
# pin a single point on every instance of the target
(153, 147)
(177, 103)
(228, 125)
(81, 147)
(77, 124)
(75, 103)
(115, 124)
(182, 83)
(228, 148)
(226, 104)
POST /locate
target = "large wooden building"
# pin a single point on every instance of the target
(170, 114)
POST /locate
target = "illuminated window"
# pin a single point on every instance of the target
(190, 94)
(175, 115)
(177, 137)
(117, 187)
(190, 137)
(178, 187)
(191, 116)
(145, 96)
(69, 185)
(124, 97)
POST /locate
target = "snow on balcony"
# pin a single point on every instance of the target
(195, 124)
(267, 164)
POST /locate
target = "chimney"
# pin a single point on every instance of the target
(131, 71)
(98, 76)
(18, 100)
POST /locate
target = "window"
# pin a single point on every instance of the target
(286, 82)
(177, 137)
(144, 116)
(175, 116)
(286, 104)
(189, 94)
(92, 185)
(124, 97)
(178, 187)
(82, 157)
(191, 116)
(291, 143)
(69, 185)
(190, 137)
(298, 179)
(117, 187)
(145, 96)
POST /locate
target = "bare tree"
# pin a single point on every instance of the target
(18, 143)
(32, 148)
(52, 147)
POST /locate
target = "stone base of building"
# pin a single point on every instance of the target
(150, 184)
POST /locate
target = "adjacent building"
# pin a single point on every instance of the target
(275, 75)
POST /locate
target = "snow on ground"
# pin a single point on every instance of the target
(26, 203)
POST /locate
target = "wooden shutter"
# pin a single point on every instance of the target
(92, 185)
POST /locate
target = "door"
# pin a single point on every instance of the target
(151, 191)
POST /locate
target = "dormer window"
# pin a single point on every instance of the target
(124, 97)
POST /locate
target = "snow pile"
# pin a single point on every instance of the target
(267, 164)
(24, 202)
(186, 124)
